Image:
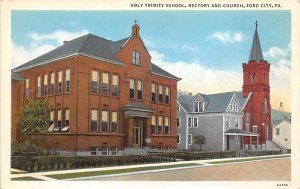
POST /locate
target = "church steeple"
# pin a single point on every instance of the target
(135, 29)
(256, 53)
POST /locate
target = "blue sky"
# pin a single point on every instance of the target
(210, 42)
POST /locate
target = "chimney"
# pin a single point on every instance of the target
(190, 94)
(65, 42)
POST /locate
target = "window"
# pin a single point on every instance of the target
(104, 151)
(277, 131)
(254, 77)
(190, 139)
(27, 88)
(115, 87)
(266, 78)
(227, 121)
(153, 124)
(254, 129)
(198, 106)
(178, 139)
(136, 58)
(167, 125)
(95, 81)
(153, 92)
(132, 88)
(94, 120)
(236, 121)
(234, 107)
(94, 151)
(178, 108)
(167, 93)
(266, 109)
(45, 84)
(105, 121)
(52, 83)
(59, 87)
(51, 123)
(105, 84)
(38, 89)
(140, 90)
(160, 120)
(178, 121)
(114, 150)
(190, 122)
(195, 121)
(67, 120)
(114, 122)
(160, 92)
(248, 117)
(59, 122)
(67, 81)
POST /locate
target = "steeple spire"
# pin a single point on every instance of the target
(256, 53)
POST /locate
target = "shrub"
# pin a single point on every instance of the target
(25, 150)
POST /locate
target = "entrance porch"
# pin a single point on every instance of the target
(234, 140)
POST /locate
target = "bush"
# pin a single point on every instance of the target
(191, 155)
(43, 163)
(25, 150)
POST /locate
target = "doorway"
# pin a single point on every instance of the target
(138, 132)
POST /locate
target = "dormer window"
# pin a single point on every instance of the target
(136, 58)
(234, 107)
(198, 106)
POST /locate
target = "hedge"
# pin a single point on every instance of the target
(45, 163)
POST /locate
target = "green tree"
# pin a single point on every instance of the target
(199, 139)
(35, 120)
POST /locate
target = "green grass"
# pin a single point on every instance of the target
(241, 160)
(111, 172)
(26, 179)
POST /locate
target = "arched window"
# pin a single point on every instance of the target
(266, 109)
(266, 79)
(254, 78)
(250, 79)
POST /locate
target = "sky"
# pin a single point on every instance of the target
(204, 48)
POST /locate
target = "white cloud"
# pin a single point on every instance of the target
(40, 44)
(59, 36)
(274, 52)
(282, 70)
(188, 48)
(228, 37)
(197, 78)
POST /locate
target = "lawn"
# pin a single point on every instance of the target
(26, 179)
(117, 171)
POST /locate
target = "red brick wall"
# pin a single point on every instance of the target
(80, 100)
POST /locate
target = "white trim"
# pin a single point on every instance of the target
(181, 106)
(186, 133)
(223, 146)
(246, 102)
(126, 41)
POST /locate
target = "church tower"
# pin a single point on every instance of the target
(256, 87)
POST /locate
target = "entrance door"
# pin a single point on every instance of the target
(267, 132)
(138, 132)
(227, 142)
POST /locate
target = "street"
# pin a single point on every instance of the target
(263, 170)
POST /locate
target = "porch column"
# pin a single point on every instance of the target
(257, 141)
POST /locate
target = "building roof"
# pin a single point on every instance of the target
(216, 102)
(137, 106)
(256, 52)
(240, 132)
(92, 46)
(16, 76)
(159, 71)
(278, 121)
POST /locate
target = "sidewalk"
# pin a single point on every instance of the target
(141, 168)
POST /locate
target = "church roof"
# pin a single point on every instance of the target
(256, 52)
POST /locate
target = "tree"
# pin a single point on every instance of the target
(35, 120)
(199, 139)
